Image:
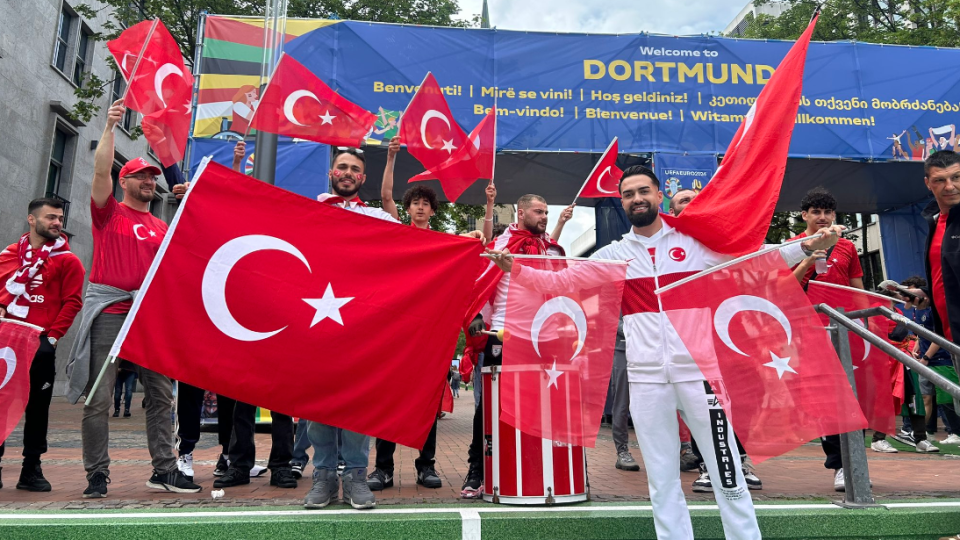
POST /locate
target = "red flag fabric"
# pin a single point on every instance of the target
(446, 405)
(161, 78)
(558, 353)
(428, 128)
(161, 88)
(605, 176)
(257, 300)
(871, 366)
(468, 164)
(19, 342)
(764, 351)
(753, 166)
(298, 104)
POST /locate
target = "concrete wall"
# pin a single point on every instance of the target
(30, 88)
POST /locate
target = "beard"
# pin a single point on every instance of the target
(643, 218)
(346, 192)
(142, 196)
(47, 233)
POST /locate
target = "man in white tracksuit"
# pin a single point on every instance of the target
(663, 377)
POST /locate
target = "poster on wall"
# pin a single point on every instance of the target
(679, 172)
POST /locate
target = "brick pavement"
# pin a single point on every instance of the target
(795, 476)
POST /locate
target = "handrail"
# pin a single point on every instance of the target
(919, 330)
(938, 380)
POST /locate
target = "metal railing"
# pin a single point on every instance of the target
(853, 453)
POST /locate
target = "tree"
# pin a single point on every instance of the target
(910, 22)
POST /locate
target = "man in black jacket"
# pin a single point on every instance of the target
(942, 254)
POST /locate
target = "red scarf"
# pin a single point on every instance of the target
(29, 264)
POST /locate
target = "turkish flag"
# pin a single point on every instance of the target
(331, 315)
(765, 353)
(560, 332)
(475, 160)
(871, 366)
(161, 79)
(428, 128)
(605, 177)
(167, 130)
(298, 104)
(753, 166)
(19, 342)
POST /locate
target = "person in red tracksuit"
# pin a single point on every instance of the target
(41, 282)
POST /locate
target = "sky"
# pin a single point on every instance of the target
(671, 17)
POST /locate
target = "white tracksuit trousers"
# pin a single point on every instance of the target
(654, 407)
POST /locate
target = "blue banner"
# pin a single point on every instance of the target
(301, 165)
(678, 171)
(574, 92)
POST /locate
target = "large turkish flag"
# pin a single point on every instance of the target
(765, 352)
(19, 342)
(872, 367)
(428, 128)
(304, 308)
(298, 104)
(161, 78)
(560, 332)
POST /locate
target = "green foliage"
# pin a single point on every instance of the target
(784, 225)
(449, 217)
(91, 89)
(910, 22)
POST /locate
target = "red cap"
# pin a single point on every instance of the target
(136, 165)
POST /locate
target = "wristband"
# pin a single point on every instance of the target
(486, 219)
(927, 358)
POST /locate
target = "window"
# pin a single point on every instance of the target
(57, 173)
(872, 270)
(83, 50)
(63, 39)
(119, 85)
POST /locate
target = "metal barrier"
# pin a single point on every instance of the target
(857, 492)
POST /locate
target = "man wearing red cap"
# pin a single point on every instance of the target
(126, 238)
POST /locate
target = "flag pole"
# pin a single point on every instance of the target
(136, 65)
(415, 94)
(110, 361)
(595, 167)
(493, 168)
(728, 264)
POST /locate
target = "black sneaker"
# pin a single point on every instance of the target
(126, 413)
(116, 413)
(222, 465)
(297, 470)
(473, 484)
(428, 478)
(97, 486)
(380, 479)
(31, 479)
(283, 478)
(173, 481)
(233, 477)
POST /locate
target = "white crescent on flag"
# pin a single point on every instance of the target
(292, 100)
(563, 305)
(162, 73)
(10, 358)
(599, 178)
(432, 113)
(736, 304)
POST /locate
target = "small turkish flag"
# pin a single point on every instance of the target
(871, 366)
(605, 176)
(19, 342)
(343, 319)
(167, 130)
(560, 335)
(161, 79)
(765, 353)
(297, 103)
(427, 126)
(753, 166)
(468, 164)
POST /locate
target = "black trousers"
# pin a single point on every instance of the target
(37, 414)
(386, 449)
(242, 451)
(225, 407)
(475, 453)
(189, 405)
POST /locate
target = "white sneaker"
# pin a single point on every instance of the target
(952, 439)
(838, 484)
(926, 447)
(185, 464)
(884, 446)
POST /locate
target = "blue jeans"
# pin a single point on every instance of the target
(354, 448)
(126, 380)
(301, 443)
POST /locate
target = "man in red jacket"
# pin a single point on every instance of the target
(42, 284)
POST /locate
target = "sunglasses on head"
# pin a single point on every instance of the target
(349, 150)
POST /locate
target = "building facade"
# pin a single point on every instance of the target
(47, 50)
(749, 14)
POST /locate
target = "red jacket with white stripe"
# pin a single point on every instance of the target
(655, 353)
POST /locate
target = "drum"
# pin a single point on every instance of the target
(524, 469)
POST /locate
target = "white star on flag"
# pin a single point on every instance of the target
(327, 307)
(448, 146)
(152, 233)
(554, 374)
(780, 364)
(327, 118)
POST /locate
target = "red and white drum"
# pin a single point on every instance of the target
(524, 469)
